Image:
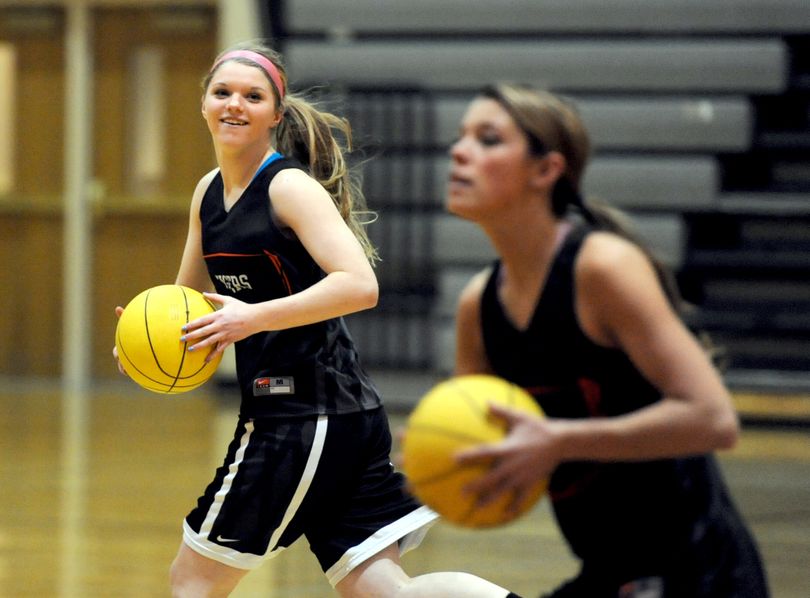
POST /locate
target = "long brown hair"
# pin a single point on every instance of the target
(552, 123)
(318, 139)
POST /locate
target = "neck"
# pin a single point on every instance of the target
(238, 169)
(540, 233)
(526, 260)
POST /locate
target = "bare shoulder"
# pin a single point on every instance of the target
(291, 181)
(470, 296)
(608, 257)
(618, 289)
(206, 179)
(299, 200)
(201, 188)
(605, 249)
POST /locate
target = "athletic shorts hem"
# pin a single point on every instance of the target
(221, 554)
(409, 531)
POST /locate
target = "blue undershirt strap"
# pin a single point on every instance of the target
(270, 159)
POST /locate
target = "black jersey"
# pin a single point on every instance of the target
(626, 519)
(312, 369)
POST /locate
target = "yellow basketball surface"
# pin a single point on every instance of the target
(453, 416)
(148, 340)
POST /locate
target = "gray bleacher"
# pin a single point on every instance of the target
(634, 123)
(741, 65)
(419, 17)
(664, 86)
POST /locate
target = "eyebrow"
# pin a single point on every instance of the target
(478, 126)
(227, 84)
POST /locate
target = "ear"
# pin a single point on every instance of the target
(548, 169)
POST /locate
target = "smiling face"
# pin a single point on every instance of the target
(239, 106)
(491, 163)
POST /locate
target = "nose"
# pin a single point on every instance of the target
(457, 150)
(235, 101)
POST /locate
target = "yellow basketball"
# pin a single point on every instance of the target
(148, 339)
(453, 416)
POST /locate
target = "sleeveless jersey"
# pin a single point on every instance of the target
(625, 518)
(312, 369)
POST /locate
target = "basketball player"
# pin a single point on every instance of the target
(580, 315)
(276, 229)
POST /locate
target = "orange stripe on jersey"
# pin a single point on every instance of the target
(280, 269)
(232, 255)
(542, 390)
(592, 394)
(575, 487)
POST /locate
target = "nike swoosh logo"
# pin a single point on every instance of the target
(221, 539)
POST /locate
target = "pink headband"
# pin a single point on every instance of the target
(262, 61)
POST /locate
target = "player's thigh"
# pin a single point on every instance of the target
(380, 575)
(195, 575)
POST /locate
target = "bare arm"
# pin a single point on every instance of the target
(470, 355)
(193, 272)
(620, 304)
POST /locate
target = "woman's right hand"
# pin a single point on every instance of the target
(529, 453)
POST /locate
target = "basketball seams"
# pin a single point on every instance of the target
(185, 343)
(163, 387)
(469, 399)
(130, 364)
(148, 332)
(151, 344)
(472, 514)
(439, 431)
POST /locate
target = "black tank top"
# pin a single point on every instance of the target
(625, 514)
(312, 369)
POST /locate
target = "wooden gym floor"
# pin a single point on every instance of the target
(94, 490)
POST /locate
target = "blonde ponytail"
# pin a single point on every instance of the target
(320, 140)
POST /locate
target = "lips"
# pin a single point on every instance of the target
(233, 122)
(456, 180)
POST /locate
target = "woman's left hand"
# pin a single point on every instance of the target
(216, 331)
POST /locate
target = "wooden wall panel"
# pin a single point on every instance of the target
(133, 252)
(39, 101)
(188, 55)
(137, 242)
(31, 325)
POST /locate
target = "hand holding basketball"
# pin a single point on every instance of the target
(214, 331)
(526, 455)
(454, 416)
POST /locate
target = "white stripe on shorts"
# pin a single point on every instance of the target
(200, 543)
(306, 480)
(227, 482)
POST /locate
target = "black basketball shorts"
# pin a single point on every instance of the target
(328, 478)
